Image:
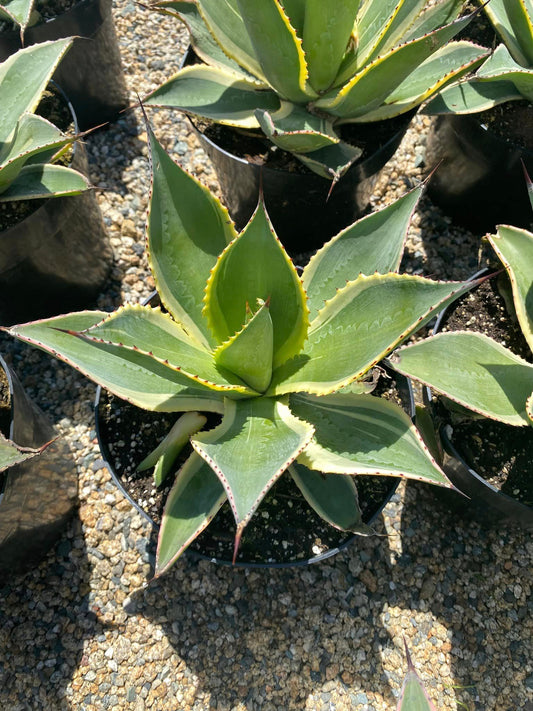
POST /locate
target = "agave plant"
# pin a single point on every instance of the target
(19, 12)
(507, 75)
(413, 696)
(474, 370)
(29, 144)
(300, 69)
(284, 359)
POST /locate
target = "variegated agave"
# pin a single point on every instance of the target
(471, 368)
(299, 69)
(507, 75)
(29, 144)
(283, 359)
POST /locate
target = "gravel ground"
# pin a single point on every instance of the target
(79, 632)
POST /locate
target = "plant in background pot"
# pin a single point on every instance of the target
(285, 360)
(38, 480)
(301, 75)
(91, 74)
(491, 381)
(484, 130)
(52, 245)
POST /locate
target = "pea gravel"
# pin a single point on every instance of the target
(80, 632)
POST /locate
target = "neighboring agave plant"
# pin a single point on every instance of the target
(300, 69)
(507, 75)
(471, 368)
(413, 696)
(20, 12)
(285, 360)
(29, 144)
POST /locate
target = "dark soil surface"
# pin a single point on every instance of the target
(54, 108)
(501, 454)
(283, 529)
(254, 147)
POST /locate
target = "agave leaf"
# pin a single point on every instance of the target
(154, 333)
(278, 48)
(167, 451)
(502, 66)
(472, 96)
(215, 94)
(187, 229)
(331, 162)
(34, 136)
(403, 18)
(361, 325)
(333, 497)
(363, 434)
(19, 11)
(255, 266)
(374, 20)
(194, 499)
(372, 85)
(256, 441)
(31, 68)
(43, 181)
(473, 370)
(225, 22)
(10, 454)
(373, 244)
(413, 696)
(513, 22)
(327, 30)
(249, 352)
(130, 375)
(294, 129)
(440, 13)
(448, 64)
(514, 247)
(202, 41)
(295, 11)
(529, 408)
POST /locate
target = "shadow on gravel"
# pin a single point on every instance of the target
(294, 639)
(42, 639)
(280, 639)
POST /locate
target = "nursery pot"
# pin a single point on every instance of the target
(38, 496)
(304, 212)
(57, 258)
(91, 72)
(485, 502)
(479, 179)
(304, 209)
(289, 503)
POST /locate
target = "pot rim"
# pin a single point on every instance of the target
(106, 456)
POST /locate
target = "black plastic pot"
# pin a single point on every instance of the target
(303, 215)
(405, 389)
(56, 259)
(485, 503)
(37, 497)
(91, 72)
(479, 179)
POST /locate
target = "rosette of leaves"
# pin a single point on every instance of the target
(507, 75)
(471, 368)
(300, 69)
(30, 145)
(284, 359)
